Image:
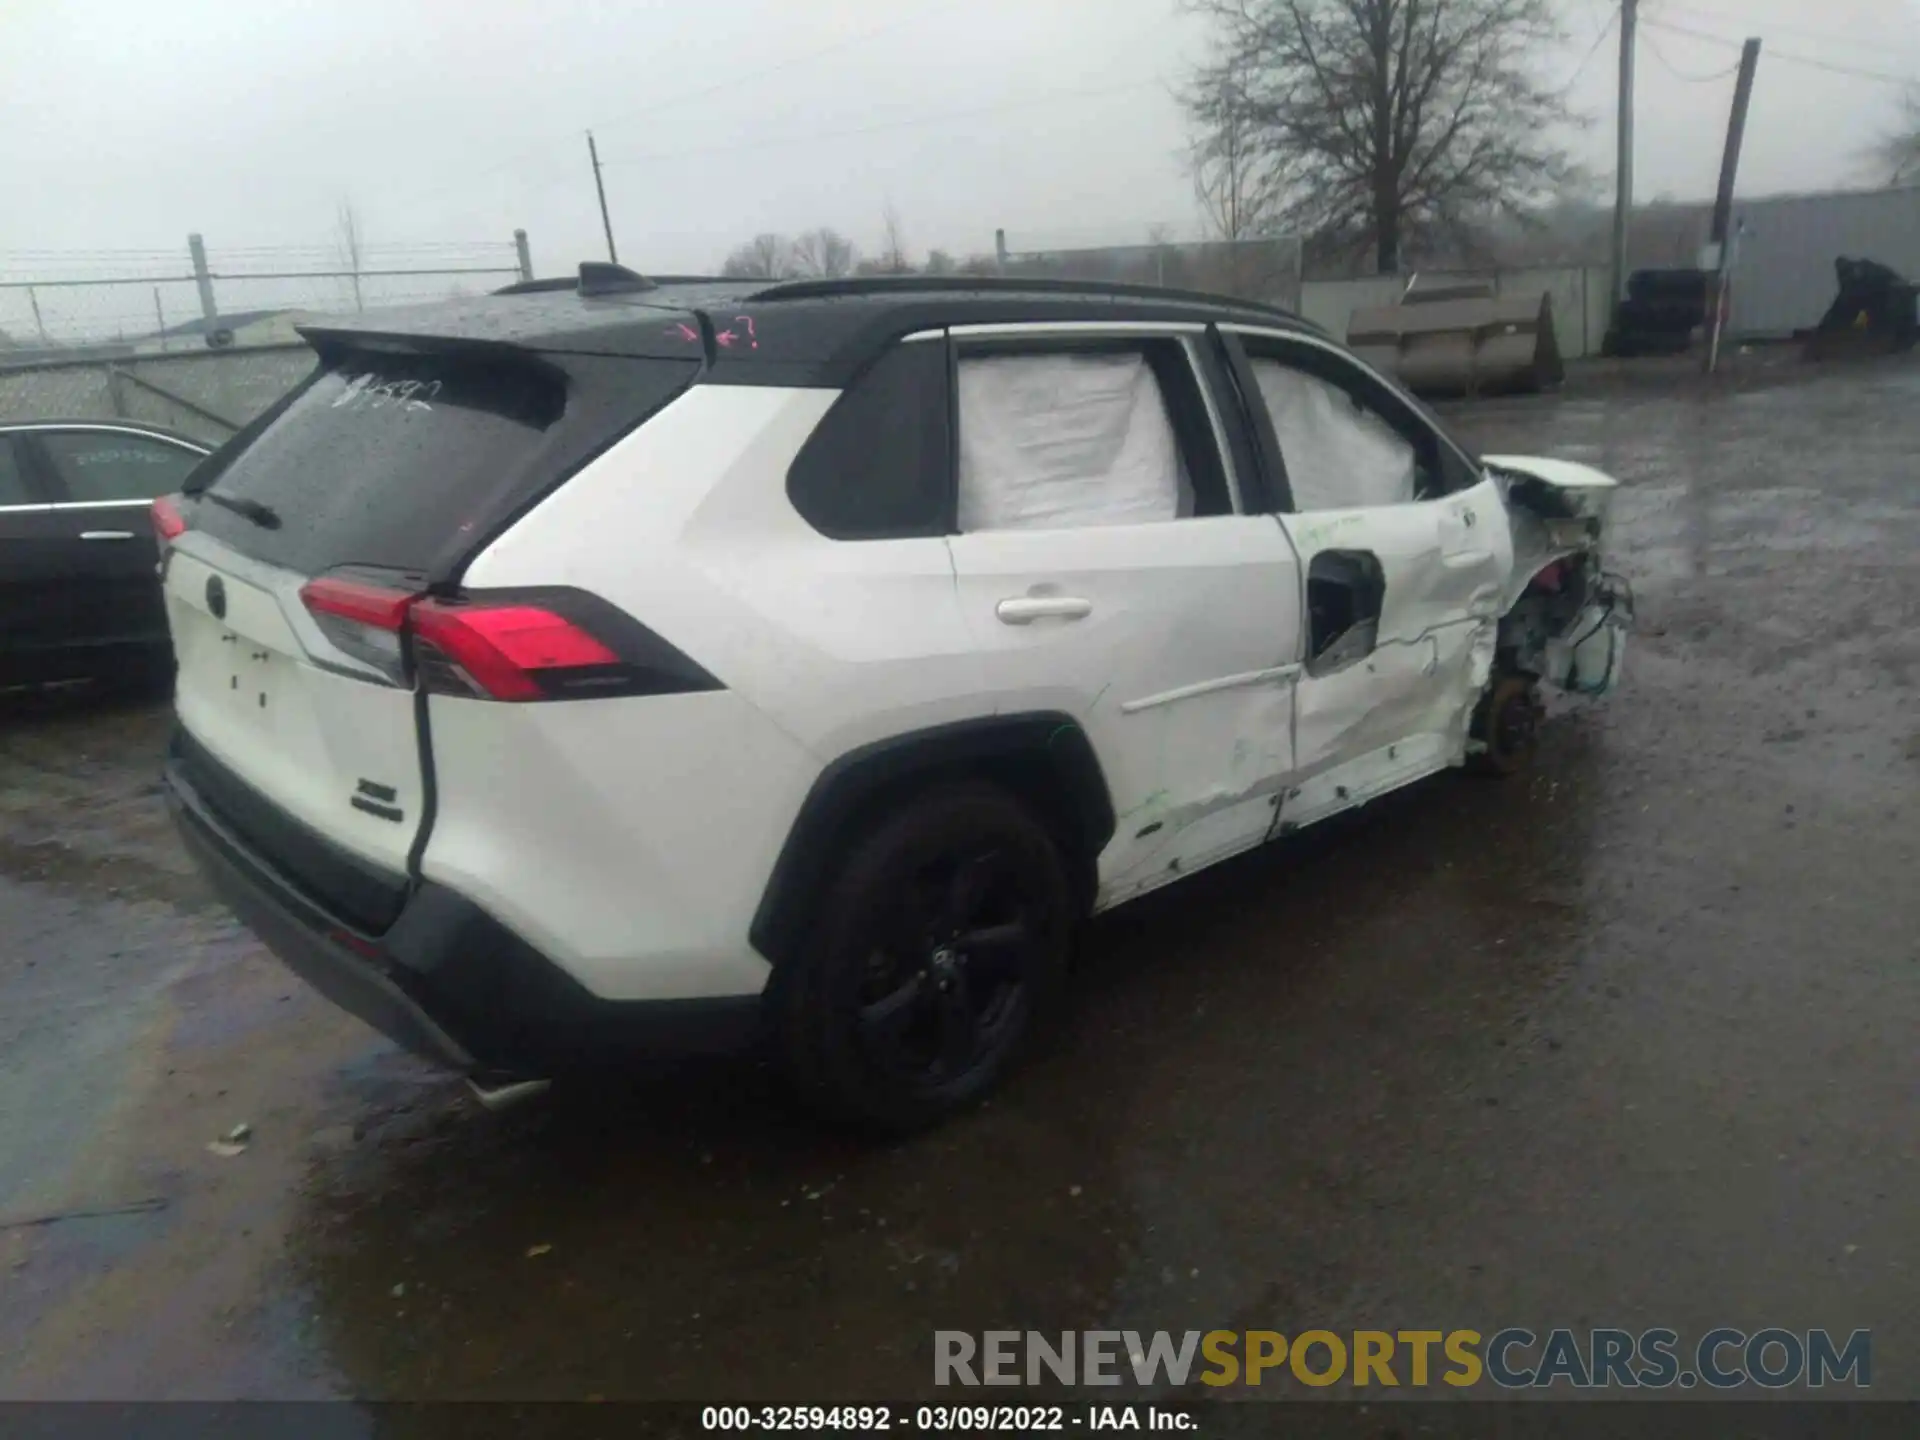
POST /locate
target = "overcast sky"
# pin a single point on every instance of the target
(124, 124)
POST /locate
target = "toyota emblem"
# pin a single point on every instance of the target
(217, 597)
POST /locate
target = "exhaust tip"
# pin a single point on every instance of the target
(502, 1092)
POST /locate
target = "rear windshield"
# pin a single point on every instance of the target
(397, 461)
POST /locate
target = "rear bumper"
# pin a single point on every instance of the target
(447, 981)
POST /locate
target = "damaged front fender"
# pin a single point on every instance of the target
(1565, 616)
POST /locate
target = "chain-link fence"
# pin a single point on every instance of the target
(1266, 270)
(208, 396)
(140, 302)
(200, 341)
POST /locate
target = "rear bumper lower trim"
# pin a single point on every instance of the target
(448, 981)
(300, 934)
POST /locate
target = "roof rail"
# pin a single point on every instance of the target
(1009, 284)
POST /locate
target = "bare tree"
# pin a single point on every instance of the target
(765, 257)
(940, 262)
(1381, 122)
(1233, 177)
(824, 253)
(1896, 155)
(348, 240)
(893, 245)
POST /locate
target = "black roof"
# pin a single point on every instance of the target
(805, 332)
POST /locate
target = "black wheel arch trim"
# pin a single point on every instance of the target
(849, 791)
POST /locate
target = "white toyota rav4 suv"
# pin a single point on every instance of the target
(623, 664)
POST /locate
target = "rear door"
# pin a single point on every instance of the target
(106, 589)
(375, 478)
(1106, 571)
(1396, 529)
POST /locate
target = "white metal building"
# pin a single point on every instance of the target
(1783, 271)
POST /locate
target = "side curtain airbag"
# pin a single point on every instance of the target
(1338, 455)
(1050, 441)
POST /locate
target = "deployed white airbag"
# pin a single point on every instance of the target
(1066, 440)
(1338, 455)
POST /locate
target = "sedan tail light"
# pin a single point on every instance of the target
(168, 523)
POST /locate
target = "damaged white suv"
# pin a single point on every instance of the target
(621, 665)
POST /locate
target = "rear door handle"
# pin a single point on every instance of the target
(1025, 609)
(106, 534)
(1466, 559)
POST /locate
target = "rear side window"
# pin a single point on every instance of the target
(1084, 436)
(394, 460)
(95, 465)
(878, 466)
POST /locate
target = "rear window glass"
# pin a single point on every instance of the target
(389, 460)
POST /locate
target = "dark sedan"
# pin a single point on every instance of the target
(79, 597)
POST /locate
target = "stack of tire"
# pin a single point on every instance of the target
(1877, 312)
(1663, 313)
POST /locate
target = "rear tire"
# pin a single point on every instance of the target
(938, 951)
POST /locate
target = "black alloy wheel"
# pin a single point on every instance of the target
(942, 944)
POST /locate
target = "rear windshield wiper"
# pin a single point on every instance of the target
(265, 516)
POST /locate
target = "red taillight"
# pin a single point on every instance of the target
(362, 620)
(489, 652)
(501, 649)
(360, 603)
(168, 523)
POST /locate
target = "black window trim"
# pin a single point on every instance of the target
(1269, 468)
(1411, 415)
(1215, 453)
(939, 525)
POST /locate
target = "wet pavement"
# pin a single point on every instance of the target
(1630, 1041)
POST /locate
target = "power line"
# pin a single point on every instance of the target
(701, 93)
(911, 122)
(1680, 74)
(1824, 37)
(1789, 56)
(1606, 29)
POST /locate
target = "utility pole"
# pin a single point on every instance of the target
(1736, 132)
(593, 151)
(1723, 198)
(522, 254)
(203, 277)
(1623, 169)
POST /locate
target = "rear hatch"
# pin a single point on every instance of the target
(317, 552)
